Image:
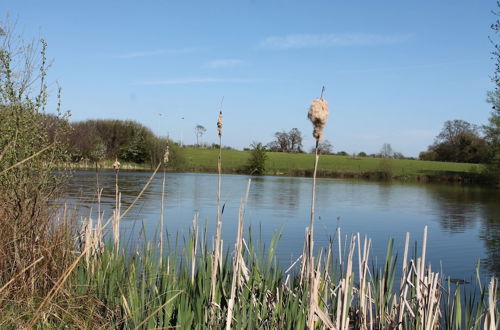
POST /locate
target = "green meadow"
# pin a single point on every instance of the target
(279, 163)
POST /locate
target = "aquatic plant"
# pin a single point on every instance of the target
(217, 248)
(318, 115)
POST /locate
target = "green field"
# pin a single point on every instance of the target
(295, 164)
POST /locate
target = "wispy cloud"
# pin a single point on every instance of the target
(412, 67)
(331, 40)
(224, 63)
(158, 52)
(193, 80)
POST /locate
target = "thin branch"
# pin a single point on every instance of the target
(29, 158)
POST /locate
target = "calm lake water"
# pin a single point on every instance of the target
(463, 222)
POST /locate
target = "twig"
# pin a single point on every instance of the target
(20, 273)
(29, 158)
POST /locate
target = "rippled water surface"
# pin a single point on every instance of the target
(463, 222)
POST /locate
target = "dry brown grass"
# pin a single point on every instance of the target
(34, 247)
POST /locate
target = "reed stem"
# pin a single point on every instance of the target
(217, 249)
(310, 257)
(238, 258)
(162, 213)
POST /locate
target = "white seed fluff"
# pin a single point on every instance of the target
(318, 115)
(166, 156)
(116, 165)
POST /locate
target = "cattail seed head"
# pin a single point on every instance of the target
(166, 155)
(116, 165)
(318, 115)
(219, 124)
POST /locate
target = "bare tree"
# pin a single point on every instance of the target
(286, 141)
(280, 143)
(324, 148)
(398, 155)
(294, 140)
(386, 151)
(496, 52)
(199, 130)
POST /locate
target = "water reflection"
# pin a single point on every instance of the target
(458, 206)
(490, 235)
(464, 222)
(286, 193)
(463, 208)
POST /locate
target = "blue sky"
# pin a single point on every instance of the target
(394, 71)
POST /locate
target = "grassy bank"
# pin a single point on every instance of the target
(205, 160)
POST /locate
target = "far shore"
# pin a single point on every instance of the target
(200, 160)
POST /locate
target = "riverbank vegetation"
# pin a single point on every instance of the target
(263, 162)
(95, 141)
(301, 164)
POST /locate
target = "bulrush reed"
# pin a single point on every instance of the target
(116, 212)
(218, 231)
(318, 115)
(165, 159)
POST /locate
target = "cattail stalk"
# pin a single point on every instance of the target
(165, 162)
(310, 244)
(238, 259)
(116, 217)
(318, 115)
(194, 247)
(492, 318)
(217, 248)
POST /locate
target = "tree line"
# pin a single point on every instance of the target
(459, 141)
(126, 140)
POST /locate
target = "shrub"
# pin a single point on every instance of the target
(31, 149)
(124, 139)
(385, 168)
(257, 161)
